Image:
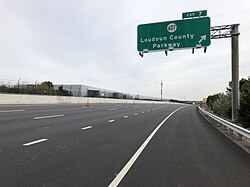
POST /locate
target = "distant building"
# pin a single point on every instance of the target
(88, 91)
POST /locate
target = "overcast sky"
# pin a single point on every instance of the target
(95, 43)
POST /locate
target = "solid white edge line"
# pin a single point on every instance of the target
(45, 117)
(85, 128)
(7, 111)
(132, 160)
(110, 121)
(35, 142)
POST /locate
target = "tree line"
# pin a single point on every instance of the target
(45, 88)
(220, 103)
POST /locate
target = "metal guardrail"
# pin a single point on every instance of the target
(232, 127)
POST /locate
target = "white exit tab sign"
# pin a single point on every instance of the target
(194, 14)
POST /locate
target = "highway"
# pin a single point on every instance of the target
(116, 145)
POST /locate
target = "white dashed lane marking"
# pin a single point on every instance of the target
(112, 109)
(85, 128)
(8, 111)
(46, 117)
(35, 142)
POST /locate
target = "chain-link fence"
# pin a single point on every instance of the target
(20, 86)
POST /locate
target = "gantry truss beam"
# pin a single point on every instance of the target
(224, 31)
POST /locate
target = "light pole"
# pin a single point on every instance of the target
(161, 89)
(18, 83)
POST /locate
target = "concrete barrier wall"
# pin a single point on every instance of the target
(42, 99)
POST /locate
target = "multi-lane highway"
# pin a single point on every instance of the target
(116, 144)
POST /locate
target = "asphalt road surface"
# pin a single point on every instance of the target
(116, 145)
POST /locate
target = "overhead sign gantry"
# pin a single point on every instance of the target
(193, 31)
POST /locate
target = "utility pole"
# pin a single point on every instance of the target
(161, 89)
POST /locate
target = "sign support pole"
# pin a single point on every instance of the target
(235, 74)
(231, 31)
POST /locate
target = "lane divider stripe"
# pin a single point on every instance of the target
(45, 117)
(85, 128)
(6, 111)
(35, 142)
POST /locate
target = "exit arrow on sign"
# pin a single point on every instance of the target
(203, 38)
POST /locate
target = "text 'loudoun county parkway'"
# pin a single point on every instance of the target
(171, 41)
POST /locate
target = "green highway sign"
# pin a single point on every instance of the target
(194, 14)
(171, 35)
